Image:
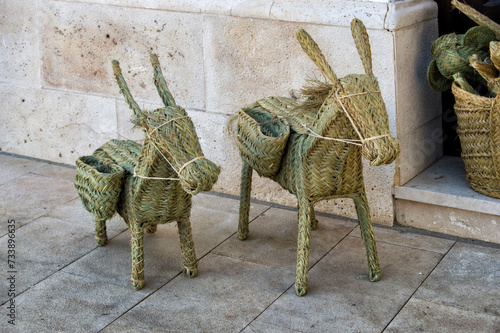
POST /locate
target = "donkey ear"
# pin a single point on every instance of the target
(362, 44)
(314, 52)
(125, 91)
(160, 83)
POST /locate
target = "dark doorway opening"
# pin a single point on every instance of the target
(452, 20)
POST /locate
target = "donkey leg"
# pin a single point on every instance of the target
(303, 243)
(368, 236)
(137, 241)
(151, 229)
(245, 188)
(312, 214)
(187, 247)
(100, 232)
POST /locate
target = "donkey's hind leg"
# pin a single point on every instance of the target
(137, 242)
(245, 189)
(187, 247)
(100, 232)
(368, 235)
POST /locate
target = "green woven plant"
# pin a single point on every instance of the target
(159, 177)
(451, 55)
(329, 132)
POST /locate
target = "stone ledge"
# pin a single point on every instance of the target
(440, 200)
(376, 14)
(449, 221)
(444, 184)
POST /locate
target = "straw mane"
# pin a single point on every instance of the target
(313, 95)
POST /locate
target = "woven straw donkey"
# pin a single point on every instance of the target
(148, 184)
(313, 149)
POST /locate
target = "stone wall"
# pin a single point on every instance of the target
(59, 99)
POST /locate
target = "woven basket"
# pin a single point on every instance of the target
(479, 131)
(262, 139)
(99, 185)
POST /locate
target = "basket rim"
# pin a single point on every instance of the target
(283, 123)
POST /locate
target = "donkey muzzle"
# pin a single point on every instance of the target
(199, 176)
(381, 151)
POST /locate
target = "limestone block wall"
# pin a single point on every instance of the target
(58, 98)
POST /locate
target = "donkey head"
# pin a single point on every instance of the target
(358, 97)
(170, 133)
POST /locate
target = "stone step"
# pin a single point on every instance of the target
(440, 200)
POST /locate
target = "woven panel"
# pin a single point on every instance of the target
(474, 119)
(99, 185)
(262, 140)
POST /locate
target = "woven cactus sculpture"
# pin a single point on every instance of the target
(148, 184)
(313, 149)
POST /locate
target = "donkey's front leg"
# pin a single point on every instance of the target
(368, 235)
(303, 243)
(245, 189)
(137, 241)
(187, 247)
(312, 216)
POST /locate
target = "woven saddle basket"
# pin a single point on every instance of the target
(478, 120)
(262, 140)
(99, 185)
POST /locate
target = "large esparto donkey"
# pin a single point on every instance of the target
(328, 133)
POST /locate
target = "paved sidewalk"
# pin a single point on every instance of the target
(64, 283)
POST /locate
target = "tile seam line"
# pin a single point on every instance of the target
(308, 270)
(140, 301)
(52, 177)
(73, 261)
(418, 287)
(225, 239)
(460, 308)
(409, 247)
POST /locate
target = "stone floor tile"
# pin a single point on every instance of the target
(341, 298)
(69, 303)
(225, 297)
(74, 212)
(260, 327)
(57, 171)
(214, 219)
(113, 263)
(272, 239)
(43, 247)
(231, 205)
(31, 196)
(409, 239)
(468, 278)
(13, 167)
(163, 258)
(422, 316)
